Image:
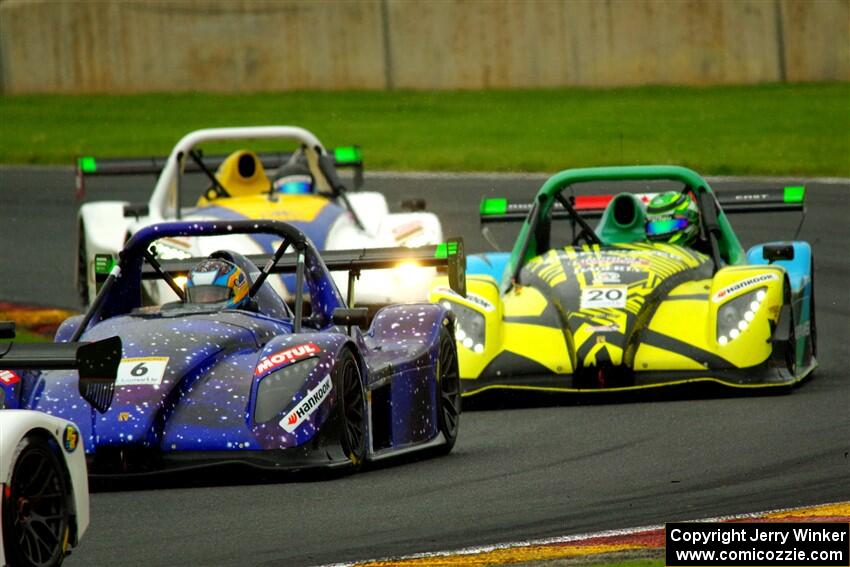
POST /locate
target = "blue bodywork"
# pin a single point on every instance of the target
(204, 409)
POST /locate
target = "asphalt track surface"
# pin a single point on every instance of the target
(529, 471)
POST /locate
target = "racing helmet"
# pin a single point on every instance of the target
(672, 217)
(217, 281)
(294, 177)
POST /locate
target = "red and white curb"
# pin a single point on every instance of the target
(585, 545)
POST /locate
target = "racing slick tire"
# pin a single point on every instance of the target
(351, 406)
(82, 268)
(812, 350)
(36, 519)
(448, 383)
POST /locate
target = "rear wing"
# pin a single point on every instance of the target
(88, 166)
(448, 255)
(97, 362)
(500, 210)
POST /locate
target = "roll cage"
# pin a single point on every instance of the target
(551, 201)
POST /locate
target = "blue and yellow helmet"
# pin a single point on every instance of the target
(672, 217)
(217, 281)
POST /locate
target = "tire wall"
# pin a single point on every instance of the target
(276, 45)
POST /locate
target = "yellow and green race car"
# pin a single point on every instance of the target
(659, 292)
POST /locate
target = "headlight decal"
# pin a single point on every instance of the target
(470, 326)
(277, 390)
(734, 316)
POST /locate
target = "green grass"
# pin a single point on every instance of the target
(22, 336)
(765, 129)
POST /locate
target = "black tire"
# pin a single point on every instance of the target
(791, 345)
(351, 405)
(813, 329)
(36, 520)
(448, 383)
(82, 268)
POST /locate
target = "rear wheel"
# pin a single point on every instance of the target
(35, 507)
(351, 404)
(448, 382)
(82, 268)
(813, 332)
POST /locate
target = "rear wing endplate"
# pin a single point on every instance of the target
(97, 363)
(88, 166)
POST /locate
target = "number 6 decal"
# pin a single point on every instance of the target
(141, 371)
(604, 297)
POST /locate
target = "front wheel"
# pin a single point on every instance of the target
(35, 507)
(448, 382)
(351, 404)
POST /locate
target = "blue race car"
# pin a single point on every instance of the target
(230, 373)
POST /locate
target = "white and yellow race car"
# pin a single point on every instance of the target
(44, 496)
(300, 187)
(576, 308)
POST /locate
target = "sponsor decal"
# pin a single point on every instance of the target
(307, 405)
(471, 297)
(124, 416)
(286, 356)
(70, 438)
(606, 277)
(742, 284)
(604, 297)
(591, 262)
(141, 371)
(8, 377)
(405, 231)
(604, 329)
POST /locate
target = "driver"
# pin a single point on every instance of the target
(217, 281)
(294, 177)
(672, 217)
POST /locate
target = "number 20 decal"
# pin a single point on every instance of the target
(141, 371)
(601, 297)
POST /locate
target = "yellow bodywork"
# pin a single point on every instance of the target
(524, 324)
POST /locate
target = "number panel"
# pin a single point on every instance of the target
(604, 297)
(141, 371)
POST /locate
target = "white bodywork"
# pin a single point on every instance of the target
(15, 425)
(105, 229)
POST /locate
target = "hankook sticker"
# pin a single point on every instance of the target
(307, 406)
(742, 284)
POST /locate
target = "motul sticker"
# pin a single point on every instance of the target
(286, 356)
(8, 377)
(141, 371)
(307, 406)
(743, 284)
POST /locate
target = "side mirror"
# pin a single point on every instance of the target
(7, 329)
(136, 210)
(774, 252)
(351, 316)
(413, 205)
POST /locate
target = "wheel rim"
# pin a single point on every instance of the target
(354, 412)
(38, 508)
(449, 389)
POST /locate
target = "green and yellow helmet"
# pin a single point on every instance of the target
(672, 217)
